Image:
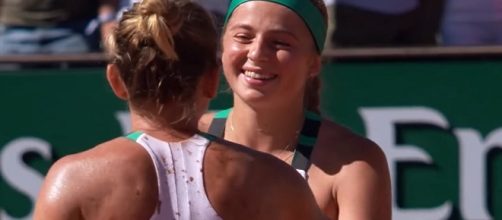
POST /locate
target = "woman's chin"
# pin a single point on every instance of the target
(254, 97)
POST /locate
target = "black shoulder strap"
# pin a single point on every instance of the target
(306, 142)
(217, 127)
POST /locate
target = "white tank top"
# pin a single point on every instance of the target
(179, 177)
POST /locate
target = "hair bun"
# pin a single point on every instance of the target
(161, 20)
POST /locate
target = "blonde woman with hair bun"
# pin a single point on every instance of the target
(163, 62)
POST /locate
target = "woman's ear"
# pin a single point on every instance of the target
(315, 67)
(115, 81)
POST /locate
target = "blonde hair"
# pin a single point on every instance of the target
(162, 48)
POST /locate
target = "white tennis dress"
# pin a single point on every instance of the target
(179, 177)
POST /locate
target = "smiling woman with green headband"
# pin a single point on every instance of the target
(271, 59)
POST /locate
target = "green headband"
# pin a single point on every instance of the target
(303, 8)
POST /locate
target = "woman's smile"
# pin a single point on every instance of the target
(253, 78)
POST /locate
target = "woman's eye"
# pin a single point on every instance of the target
(281, 43)
(242, 38)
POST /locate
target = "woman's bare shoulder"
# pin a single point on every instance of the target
(118, 154)
(339, 148)
(112, 158)
(358, 169)
(337, 138)
(94, 174)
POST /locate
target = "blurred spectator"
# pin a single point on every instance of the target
(371, 23)
(218, 8)
(472, 22)
(124, 5)
(53, 26)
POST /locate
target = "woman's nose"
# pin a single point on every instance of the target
(258, 51)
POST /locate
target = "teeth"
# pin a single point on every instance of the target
(256, 75)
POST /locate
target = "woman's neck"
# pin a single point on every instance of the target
(268, 130)
(171, 133)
